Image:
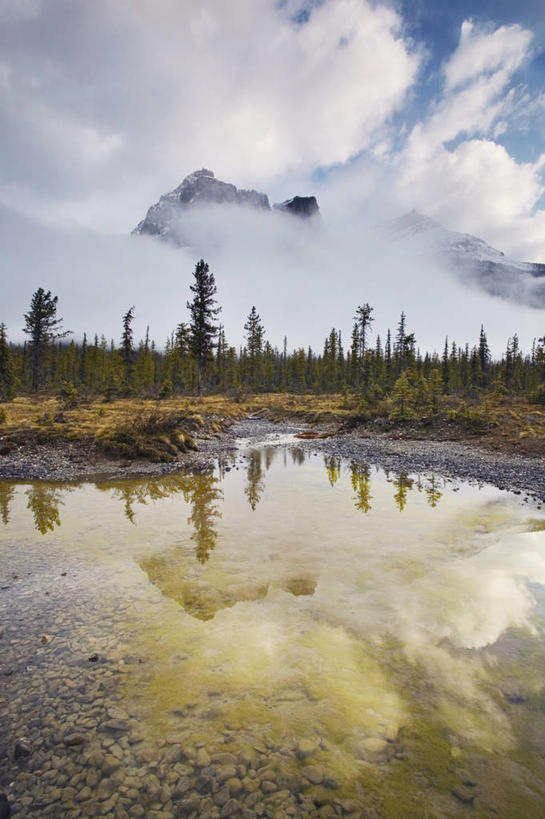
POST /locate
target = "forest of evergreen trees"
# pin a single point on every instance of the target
(197, 358)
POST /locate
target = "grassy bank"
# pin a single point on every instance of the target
(161, 430)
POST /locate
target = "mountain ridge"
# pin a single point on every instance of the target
(164, 218)
(472, 258)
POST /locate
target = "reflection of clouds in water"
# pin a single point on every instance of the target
(306, 583)
(472, 601)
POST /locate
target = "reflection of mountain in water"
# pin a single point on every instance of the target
(203, 595)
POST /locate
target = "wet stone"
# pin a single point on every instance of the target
(74, 739)
(306, 748)
(110, 764)
(226, 772)
(235, 786)
(202, 759)
(222, 796)
(464, 793)
(204, 784)
(115, 726)
(5, 810)
(374, 749)
(182, 786)
(314, 774)
(231, 808)
(22, 749)
(267, 786)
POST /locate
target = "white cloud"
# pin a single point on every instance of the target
(475, 185)
(238, 87)
(483, 51)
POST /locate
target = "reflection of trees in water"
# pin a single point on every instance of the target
(199, 491)
(432, 491)
(361, 484)
(7, 491)
(133, 492)
(256, 483)
(269, 454)
(44, 501)
(297, 455)
(403, 485)
(225, 463)
(202, 496)
(333, 468)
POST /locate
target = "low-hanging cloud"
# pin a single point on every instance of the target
(304, 278)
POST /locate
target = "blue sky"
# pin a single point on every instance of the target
(436, 24)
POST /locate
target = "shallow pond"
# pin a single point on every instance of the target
(286, 635)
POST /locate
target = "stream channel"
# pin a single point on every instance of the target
(286, 634)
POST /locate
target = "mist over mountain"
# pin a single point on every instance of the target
(188, 217)
(304, 276)
(168, 218)
(472, 259)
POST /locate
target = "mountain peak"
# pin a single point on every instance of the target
(302, 206)
(165, 218)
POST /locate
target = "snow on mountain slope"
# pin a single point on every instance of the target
(472, 259)
(167, 219)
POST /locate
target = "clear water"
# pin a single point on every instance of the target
(395, 622)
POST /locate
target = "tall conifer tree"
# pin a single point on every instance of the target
(203, 311)
(43, 327)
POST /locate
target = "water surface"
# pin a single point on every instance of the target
(351, 642)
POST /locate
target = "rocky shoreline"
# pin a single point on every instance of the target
(450, 459)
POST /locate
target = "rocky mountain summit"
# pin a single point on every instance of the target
(471, 258)
(165, 218)
(304, 206)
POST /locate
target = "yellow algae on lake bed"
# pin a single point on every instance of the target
(252, 609)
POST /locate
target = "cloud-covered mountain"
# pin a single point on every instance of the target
(188, 216)
(472, 259)
(167, 218)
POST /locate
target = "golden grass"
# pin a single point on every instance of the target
(515, 423)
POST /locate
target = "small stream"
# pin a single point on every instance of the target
(287, 634)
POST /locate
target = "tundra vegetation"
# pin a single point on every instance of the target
(142, 400)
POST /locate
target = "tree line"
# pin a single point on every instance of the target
(197, 358)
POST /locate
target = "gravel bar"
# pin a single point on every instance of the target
(451, 459)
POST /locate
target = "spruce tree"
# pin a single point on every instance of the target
(7, 372)
(43, 327)
(363, 320)
(127, 350)
(484, 356)
(254, 346)
(203, 311)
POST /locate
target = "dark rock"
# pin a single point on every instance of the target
(464, 793)
(188, 806)
(5, 810)
(303, 206)
(74, 739)
(93, 658)
(204, 784)
(22, 749)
